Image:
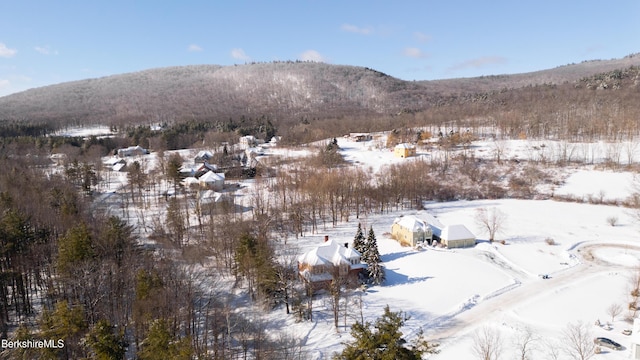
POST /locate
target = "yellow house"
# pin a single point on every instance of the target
(404, 150)
(410, 231)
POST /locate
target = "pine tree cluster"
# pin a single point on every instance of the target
(368, 248)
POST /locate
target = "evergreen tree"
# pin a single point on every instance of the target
(371, 253)
(371, 257)
(173, 170)
(359, 240)
(106, 343)
(76, 246)
(376, 273)
(64, 322)
(383, 340)
(160, 344)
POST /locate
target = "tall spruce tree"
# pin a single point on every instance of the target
(371, 257)
(359, 240)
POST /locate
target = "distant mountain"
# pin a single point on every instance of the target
(562, 74)
(279, 90)
(283, 89)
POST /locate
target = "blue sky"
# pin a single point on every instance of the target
(47, 42)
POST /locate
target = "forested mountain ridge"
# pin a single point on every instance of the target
(282, 89)
(566, 73)
(285, 91)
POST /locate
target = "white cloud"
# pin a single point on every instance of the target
(312, 55)
(194, 48)
(5, 52)
(422, 37)
(478, 63)
(414, 53)
(356, 29)
(4, 83)
(239, 54)
(45, 50)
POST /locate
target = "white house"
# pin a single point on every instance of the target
(275, 140)
(457, 236)
(212, 180)
(248, 141)
(132, 151)
(190, 182)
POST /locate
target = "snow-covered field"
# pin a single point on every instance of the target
(450, 294)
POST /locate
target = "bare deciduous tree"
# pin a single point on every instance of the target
(492, 220)
(487, 343)
(634, 292)
(552, 350)
(614, 310)
(525, 342)
(578, 341)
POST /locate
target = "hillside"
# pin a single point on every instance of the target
(566, 73)
(282, 91)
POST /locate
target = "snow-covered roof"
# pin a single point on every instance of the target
(119, 166)
(412, 223)
(133, 148)
(208, 167)
(405, 146)
(329, 252)
(210, 196)
(432, 221)
(456, 232)
(109, 161)
(204, 154)
(212, 177)
(313, 258)
(248, 138)
(190, 180)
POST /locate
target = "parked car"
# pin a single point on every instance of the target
(601, 341)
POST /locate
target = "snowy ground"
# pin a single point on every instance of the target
(453, 293)
(450, 294)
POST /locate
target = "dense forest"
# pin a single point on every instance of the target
(162, 276)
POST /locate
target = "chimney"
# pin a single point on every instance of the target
(346, 245)
(326, 238)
